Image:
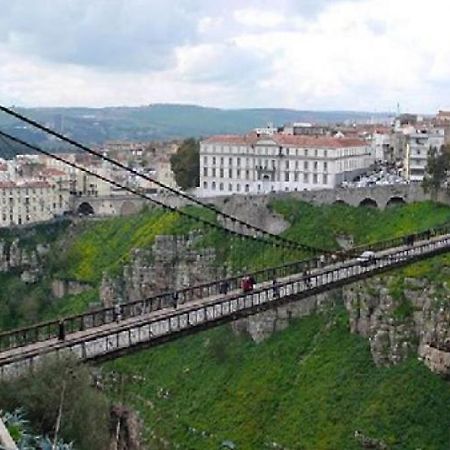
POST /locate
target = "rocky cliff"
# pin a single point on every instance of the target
(173, 262)
(27, 262)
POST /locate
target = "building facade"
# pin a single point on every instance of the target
(259, 164)
(23, 203)
(418, 145)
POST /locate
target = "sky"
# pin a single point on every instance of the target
(305, 54)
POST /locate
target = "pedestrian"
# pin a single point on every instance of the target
(118, 312)
(61, 330)
(175, 299)
(275, 289)
(224, 286)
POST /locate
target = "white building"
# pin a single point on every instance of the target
(258, 164)
(418, 144)
(30, 201)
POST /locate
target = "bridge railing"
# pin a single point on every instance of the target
(218, 310)
(91, 319)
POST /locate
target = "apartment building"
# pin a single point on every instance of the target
(259, 164)
(418, 144)
(30, 201)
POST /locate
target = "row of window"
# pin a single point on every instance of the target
(26, 191)
(246, 188)
(285, 151)
(247, 174)
(287, 164)
(259, 150)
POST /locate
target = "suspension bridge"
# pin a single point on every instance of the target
(99, 335)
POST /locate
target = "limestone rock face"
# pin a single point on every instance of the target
(262, 325)
(173, 262)
(394, 334)
(27, 262)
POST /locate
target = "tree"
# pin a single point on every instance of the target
(60, 389)
(186, 164)
(438, 168)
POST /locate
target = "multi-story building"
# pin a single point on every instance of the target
(258, 164)
(418, 145)
(30, 201)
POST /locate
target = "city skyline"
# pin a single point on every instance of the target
(315, 55)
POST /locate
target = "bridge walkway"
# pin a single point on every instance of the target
(117, 338)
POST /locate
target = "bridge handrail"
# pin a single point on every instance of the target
(168, 315)
(45, 330)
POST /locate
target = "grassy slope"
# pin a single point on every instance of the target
(308, 387)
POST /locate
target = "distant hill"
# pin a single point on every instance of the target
(162, 122)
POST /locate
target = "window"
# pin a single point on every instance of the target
(238, 173)
(315, 178)
(230, 173)
(316, 152)
(316, 165)
(325, 178)
(205, 172)
(286, 176)
(325, 153)
(305, 165)
(213, 171)
(205, 160)
(305, 178)
(247, 174)
(287, 164)
(221, 161)
(214, 160)
(230, 161)
(221, 187)
(247, 188)
(239, 162)
(230, 187)
(238, 187)
(221, 173)
(213, 185)
(325, 166)
(296, 164)
(306, 152)
(296, 176)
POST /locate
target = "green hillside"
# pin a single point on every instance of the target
(162, 121)
(309, 387)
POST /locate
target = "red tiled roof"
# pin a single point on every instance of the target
(288, 140)
(52, 172)
(25, 184)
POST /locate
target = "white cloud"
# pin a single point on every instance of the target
(360, 54)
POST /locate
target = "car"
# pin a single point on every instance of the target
(366, 258)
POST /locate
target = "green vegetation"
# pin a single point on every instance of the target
(438, 168)
(93, 247)
(63, 386)
(308, 387)
(186, 164)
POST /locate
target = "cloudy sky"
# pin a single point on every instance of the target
(304, 54)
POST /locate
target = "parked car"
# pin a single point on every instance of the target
(366, 258)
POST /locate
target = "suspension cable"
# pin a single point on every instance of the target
(234, 219)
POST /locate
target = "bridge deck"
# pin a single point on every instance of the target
(150, 328)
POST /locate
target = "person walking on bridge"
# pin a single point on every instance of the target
(275, 289)
(61, 330)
